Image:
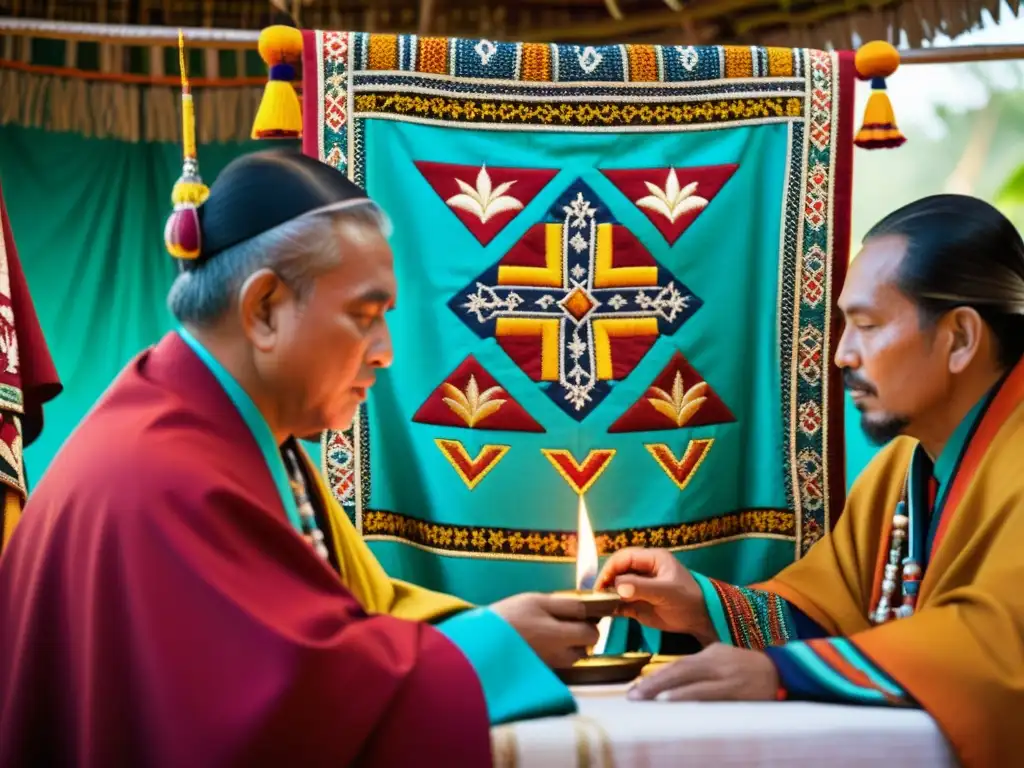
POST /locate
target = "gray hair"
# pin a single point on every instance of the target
(298, 251)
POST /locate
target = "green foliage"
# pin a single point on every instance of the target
(1011, 193)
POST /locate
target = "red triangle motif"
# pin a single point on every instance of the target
(579, 476)
(681, 471)
(678, 397)
(472, 471)
(472, 399)
(482, 201)
(672, 198)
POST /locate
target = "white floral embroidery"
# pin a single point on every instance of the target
(589, 58)
(483, 201)
(668, 302)
(688, 56)
(8, 340)
(579, 211)
(485, 49)
(579, 243)
(672, 201)
(486, 303)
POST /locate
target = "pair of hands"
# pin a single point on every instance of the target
(659, 592)
(555, 628)
(655, 588)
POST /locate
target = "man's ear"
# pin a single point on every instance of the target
(259, 299)
(966, 328)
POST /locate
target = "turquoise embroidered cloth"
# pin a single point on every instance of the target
(617, 272)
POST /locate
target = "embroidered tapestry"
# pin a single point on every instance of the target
(617, 273)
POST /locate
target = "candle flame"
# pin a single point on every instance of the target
(604, 627)
(586, 550)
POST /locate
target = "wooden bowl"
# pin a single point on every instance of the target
(597, 605)
(605, 670)
(657, 662)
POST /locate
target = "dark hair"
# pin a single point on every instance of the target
(962, 252)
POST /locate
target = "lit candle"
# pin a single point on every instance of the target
(587, 568)
(597, 604)
(586, 550)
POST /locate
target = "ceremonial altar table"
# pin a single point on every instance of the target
(612, 731)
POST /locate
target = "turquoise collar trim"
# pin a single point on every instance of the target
(257, 426)
(947, 461)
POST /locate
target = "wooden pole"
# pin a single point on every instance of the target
(198, 37)
(962, 54)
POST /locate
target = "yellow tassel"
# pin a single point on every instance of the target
(876, 61)
(189, 192)
(182, 233)
(279, 115)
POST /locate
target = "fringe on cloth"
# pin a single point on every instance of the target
(125, 112)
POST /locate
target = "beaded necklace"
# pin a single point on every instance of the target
(310, 530)
(908, 581)
(904, 550)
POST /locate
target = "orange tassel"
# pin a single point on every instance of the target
(876, 61)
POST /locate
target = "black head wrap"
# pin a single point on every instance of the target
(257, 192)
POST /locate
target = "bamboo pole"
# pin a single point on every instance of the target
(198, 37)
(962, 54)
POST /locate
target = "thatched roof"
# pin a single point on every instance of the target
(109, 68)
(818, 23)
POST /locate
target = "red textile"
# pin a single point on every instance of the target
(34, 374)
(158, 610)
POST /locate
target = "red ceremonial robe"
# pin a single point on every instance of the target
(158, 610)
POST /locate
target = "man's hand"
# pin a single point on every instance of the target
(657, 591)
(718, 673)
(555, 628)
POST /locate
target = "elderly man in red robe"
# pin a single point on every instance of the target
(183, 590)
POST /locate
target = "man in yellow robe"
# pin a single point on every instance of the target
(917, 597)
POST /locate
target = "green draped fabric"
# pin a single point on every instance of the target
(88, 218)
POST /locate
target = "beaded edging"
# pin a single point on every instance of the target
(756, 619)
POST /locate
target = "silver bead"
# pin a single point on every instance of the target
(891, 570)
(888, 587)
(904, 612)
(911, 571)
(900, 522)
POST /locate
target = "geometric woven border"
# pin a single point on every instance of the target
(557, 546)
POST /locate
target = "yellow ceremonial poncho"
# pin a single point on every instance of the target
(961, 655)
(364, 577)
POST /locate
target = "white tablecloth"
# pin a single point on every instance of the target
(612, 731)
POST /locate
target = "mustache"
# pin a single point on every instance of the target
(852, 381)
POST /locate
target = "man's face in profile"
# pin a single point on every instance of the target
(334, 339)
(890, 365)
